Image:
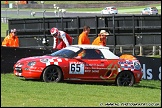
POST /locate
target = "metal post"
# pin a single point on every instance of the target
(54, 6)
(43, 6)
(44, 31)
(96, 25)
(42, 2)
(62, 24)
(6, 19)
(160, 50)
(141, 50)
(30, 13)
(134, 39)
(6, 13)
(78, 25)
(121, 49)
(18, 10)
(44, 13)
(58, 13)
(154, 50)
(114, 34)
(44, 22)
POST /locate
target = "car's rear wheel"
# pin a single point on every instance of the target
(125, 78)
(52, 74)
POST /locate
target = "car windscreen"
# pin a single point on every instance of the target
(154, 8)
(113, 8)
(66, 52)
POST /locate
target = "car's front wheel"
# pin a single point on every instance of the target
(52, 74)
(125, 78)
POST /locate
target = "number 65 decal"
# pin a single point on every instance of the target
(76, 68)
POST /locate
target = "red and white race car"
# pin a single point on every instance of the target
(81, 63)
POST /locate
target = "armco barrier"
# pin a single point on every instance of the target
(9, 56)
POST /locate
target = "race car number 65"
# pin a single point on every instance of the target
(76, 68)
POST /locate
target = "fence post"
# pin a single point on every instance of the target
(160, 50)
(6, 13)
(141, 50)
(133, 35)
(154, 50)
(78, 25)
(114, 34)
(96, 25)
(62, 24)
(121, 49)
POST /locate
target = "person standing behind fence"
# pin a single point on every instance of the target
(64, 38)
(11, 40)
(101, 39)
(83, 37)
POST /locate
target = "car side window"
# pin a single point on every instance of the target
(93, 54)
(154, 8)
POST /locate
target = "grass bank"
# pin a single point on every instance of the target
(17, 92)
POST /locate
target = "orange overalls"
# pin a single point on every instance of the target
(83, 39)
(128, 57)
(98, 41)
(11, 41)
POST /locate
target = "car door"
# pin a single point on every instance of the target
(154, 10)
(146, 10)
(149, 11)
(104, 11)
(89, 66)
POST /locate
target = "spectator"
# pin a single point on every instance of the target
(11, 40)
(128, 57)
(64, 38)
(83, 37)
(101, 39)
(6, 2)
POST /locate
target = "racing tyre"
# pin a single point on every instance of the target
(125, 78)
(52, 74)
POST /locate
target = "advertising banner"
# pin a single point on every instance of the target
(151, 67)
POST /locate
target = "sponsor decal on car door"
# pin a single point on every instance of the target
(86, 69)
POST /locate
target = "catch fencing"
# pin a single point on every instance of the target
(135, 34)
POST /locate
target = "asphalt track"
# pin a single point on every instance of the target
(52, 14)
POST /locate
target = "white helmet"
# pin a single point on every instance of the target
(54, 31)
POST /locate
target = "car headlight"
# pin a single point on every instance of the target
(19, 64)
(44, 60)
(32, 63)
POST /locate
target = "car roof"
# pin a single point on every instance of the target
(110, 6)
(87, 46)
(105, 50)
(151, 7)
